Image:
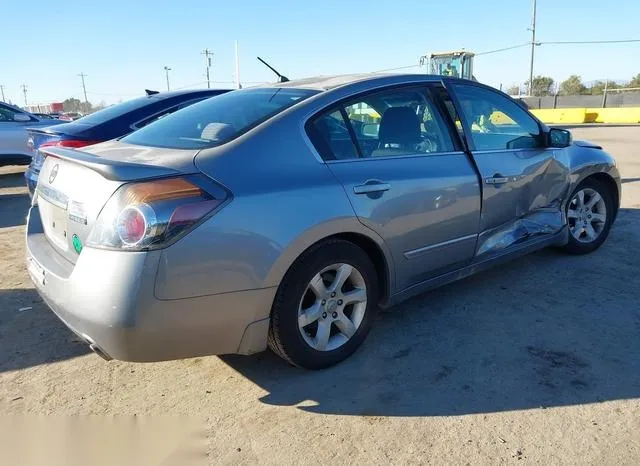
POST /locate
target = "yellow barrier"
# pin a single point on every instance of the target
(615, 115)
(624, 115)
(561, 115)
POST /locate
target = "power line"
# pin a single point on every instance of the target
(580, 42)
(396, 69)
(525, 44)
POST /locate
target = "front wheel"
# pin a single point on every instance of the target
(324, 307)
(589, 216)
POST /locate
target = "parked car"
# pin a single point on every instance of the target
(13, 138)
(70, 116)
(109, 123)
(262, 217)
(45, 116)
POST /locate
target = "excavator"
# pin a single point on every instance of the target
(458, 63)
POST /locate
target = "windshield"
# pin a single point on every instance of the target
(218, 120)
(116, 110)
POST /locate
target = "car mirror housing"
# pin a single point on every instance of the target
(558, 137)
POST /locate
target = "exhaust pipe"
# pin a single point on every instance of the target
(96, 349)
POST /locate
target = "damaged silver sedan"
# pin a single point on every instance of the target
(284, 215)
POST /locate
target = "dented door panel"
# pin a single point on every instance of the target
(523, 193)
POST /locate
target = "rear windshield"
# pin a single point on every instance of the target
(117, 110)
(215, 121)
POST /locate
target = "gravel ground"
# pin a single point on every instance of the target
(536, 361)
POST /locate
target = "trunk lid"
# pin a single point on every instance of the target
(74, 186)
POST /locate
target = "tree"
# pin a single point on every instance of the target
(541, 86)
(572, 86)
(635, 81)
(514, 90)
(597, 88)
(75, 105)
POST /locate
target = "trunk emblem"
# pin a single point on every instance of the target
(53, 173)
(77, 244)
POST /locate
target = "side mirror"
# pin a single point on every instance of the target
(21, 117)
(557, 137)
(370, 130)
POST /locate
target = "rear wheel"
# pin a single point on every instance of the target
(324, 307)
(589, 216)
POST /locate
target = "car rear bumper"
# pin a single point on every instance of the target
(107, 298)
(31, 179)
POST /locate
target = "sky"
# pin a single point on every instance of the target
(123, 45)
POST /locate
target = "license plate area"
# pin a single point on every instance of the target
(54, 221)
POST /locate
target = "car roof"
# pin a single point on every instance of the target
(168, 94)
(326, 83)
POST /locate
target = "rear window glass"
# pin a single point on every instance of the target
(117, 110)
(215, 121)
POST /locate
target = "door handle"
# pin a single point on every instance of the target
(369, 188)
(496, 179)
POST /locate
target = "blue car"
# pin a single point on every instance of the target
(110, 123)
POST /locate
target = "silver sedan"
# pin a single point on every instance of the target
(14, 147)
(285, 215)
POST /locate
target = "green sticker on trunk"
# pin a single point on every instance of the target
(77, 245)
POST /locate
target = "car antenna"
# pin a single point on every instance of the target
(282, 79)
(149, 92)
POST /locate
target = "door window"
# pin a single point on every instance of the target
(496, 122)
(389, 123)
(6, 113)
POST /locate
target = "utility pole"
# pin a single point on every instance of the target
(533, 47)
(208, 56)
(24, 91)
(238, 85)
(84, 88)
(2, 90)
(166, 70)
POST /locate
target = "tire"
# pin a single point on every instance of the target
(307, 287)
(580, 241)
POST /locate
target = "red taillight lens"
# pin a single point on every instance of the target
(71, 143)
(131, 226)
(154, 214)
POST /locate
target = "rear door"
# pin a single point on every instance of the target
(523, 183)
(13, 138)
(406, 177)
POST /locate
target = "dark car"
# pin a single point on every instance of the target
(110, 123)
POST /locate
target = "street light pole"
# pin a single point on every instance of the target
(166, 70)
(533, 47)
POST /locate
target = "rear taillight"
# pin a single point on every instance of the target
(154, 214)
(72, 143)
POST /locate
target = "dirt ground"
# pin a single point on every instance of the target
(536, 361)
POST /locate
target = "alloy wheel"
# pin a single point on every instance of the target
(587, 215)
(332, 307)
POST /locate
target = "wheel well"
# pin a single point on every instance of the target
(377, 257)
(608, 181)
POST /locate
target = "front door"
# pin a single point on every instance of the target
(406, 176)
(523, 183)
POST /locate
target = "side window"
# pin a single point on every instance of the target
(331, 137)
(168, 111)
(496, 121)
(6, 113)
(389, 123)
